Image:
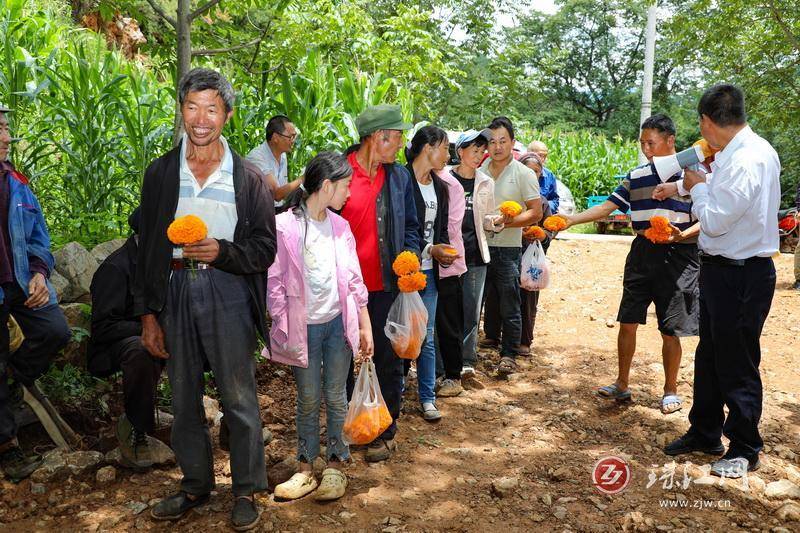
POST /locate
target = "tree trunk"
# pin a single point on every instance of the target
(184, 38)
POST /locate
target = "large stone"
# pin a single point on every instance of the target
(161, 453)
(104, 249)
(58, 465)
(59, 283)
(76, 316)
(77, 265)
(504, 486)
(782, 489)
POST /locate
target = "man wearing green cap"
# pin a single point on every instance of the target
(383, 218)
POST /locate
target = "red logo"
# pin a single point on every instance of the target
(611, 475)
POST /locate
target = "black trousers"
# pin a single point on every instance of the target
(208, 319)
(46, 333)
(529, 303)
(140, 374)
(389, 367)
(449, 327)
(734, 303)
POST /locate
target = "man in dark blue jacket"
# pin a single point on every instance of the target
(383, 218)
(25, 293)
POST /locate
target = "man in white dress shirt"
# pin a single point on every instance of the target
(738, 238)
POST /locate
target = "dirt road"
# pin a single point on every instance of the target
(516, 456)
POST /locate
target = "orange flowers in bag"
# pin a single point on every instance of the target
(367, 416)
(554, 223)
(660, 230)
(534, 232)
(412, 282)
(510, 208)
(186, 230)
(405, 263)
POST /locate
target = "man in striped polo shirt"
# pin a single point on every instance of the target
(664, 274)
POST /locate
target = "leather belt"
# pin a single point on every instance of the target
(724, 261)
(189, 264)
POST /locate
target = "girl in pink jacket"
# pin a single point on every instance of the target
(318, 303)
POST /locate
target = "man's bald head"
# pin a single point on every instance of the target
(539, 148)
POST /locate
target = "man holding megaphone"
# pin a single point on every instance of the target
(664, 273)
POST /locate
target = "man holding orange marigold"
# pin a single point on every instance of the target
(661, 273)
(204, 303)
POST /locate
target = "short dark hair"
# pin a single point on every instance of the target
(277, 124)
(723, 104)
(502, 122)
(659, 122)
(202, 79)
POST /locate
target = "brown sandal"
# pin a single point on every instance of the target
(507, 366)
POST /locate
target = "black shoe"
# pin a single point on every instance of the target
(175, 506)
(796, 285)
(688, 444)
(245, 513)
(16, 465)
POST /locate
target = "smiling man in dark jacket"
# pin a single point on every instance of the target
(205, 302)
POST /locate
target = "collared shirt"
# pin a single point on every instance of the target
(738, 210)
(263, 158)
(635, 194)
(549, 189)
(215, 201)
(362, 211)
(516, 183)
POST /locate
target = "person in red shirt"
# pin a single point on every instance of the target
(383, 219)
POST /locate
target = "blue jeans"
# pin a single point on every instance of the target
(502, 298)
(474, 281)
(329, 358)
(426, 363)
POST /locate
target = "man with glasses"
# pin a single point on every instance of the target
(515, 182)
(383, 218)
(270, 157)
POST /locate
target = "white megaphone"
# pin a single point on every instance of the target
(669, 165)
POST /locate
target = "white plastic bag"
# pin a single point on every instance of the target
(534, 272)
(367, 416)
(407, 325)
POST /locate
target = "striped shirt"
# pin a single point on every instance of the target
(215, 201)
(635, 194)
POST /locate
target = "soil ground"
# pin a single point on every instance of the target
(544, 427)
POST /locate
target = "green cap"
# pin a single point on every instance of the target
(381, 117)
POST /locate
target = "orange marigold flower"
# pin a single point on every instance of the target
(413, 282)
(659, 231)
(534, 232)
(451, 251)
(554, 223)
(510, 208)
(405, 263)
(186, 230)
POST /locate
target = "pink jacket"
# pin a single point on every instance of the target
(286, 291)
(457, 204)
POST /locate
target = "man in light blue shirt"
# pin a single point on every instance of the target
(270, 157)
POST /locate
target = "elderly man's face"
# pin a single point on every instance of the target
(387, 144)
(204, 116)
(5, 137)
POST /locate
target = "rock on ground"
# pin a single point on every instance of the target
(77, 265)
(104, 249)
